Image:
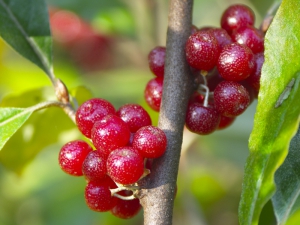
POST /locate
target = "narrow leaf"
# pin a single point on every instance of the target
(25, 26)
(277, 116)
(287, 178)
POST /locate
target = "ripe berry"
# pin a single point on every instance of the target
(200, 119)
(126, 209)
(225, 122)
(153, 93)
(194, 29)
(237, 16)
(91, 111)
(98, 196)
(125, 165)
(251, 37)
(94, 166)
(254, 78)
(156, 60)
(72, 155)
(110, 133)
(202, 50)
(135, 116)
(150, 141)
(222, 37)
(236, 62)
(231, 98)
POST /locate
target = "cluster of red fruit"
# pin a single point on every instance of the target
(227, 61)
(125, 141)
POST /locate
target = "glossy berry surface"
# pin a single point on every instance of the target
(222, 37)
(225, 122)
(201, 120)
(98, 196)
(150, 141)
(126, 209)
(94, 166)
(251, 37)
(231, 98)
(110, 133)
(254, 78)
(91, 111)
(236, 62)
(202, 50)
(237, 16)
(135, 116)
(125, 165)
(156, 60)
(153, 93)
(72, 155)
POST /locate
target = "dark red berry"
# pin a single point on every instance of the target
(202, 50)
(237, 16)
(109, 133)
(196, 97)
(98, 196)
(125, 165)
(150, 141)
(126, 209)
(254, 78)
(94, 166)
(222, 37)
(72, 155)
(153, 93)
(135, 116)
(156, 60)
(194, 29)
(251, 37)
(213, 79)
(200, 119)
(225, 122)
(91, 111)
(231, 98)
(236, 62)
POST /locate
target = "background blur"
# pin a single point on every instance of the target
(100, 50)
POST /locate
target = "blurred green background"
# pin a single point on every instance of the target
(33, 189)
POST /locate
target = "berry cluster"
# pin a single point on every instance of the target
(125, 142)
(226, 63)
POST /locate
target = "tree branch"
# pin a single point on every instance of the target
(158, 189)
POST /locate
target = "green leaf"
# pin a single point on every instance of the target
(287, 178)
(11, 119)
(277, 116)
(25, 26)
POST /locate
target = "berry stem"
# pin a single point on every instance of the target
(206, 93)
(131, 197)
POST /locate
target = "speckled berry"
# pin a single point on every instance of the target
(156, 60)
(153, 93)
(94, 166)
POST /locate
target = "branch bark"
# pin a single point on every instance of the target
(158, 189)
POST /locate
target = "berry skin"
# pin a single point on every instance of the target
(153, 93)
(236, 62)
(202, 50)
(225, 122)
(222, 37)
(109, 133)
(72, 155)
(254, 78)
(98, 196)
(135, 116)
(237, 16)
(200, 119)
(156, 60)
(126, 209)
(125, 165)
(231, 98)
(150, 141)
(251, 37)
(94, 166)
(90, 112)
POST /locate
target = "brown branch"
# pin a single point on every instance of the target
(157, 194)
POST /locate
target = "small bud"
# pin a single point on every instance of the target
(61, 91)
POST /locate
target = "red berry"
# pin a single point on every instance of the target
(231, 98)
(135, 116)
(200, 119)
(153, 93)
(126, 209)
(251, 37)
(156, 60)
(94, 166)
(236, 62)
(150, 141)
(125, 165)
(91, 111)
(254, 78)
(72, 155)
(222, 37)
(194, 29)
(109, 133)
(225, 122)
(202, 50)
(237, 16)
